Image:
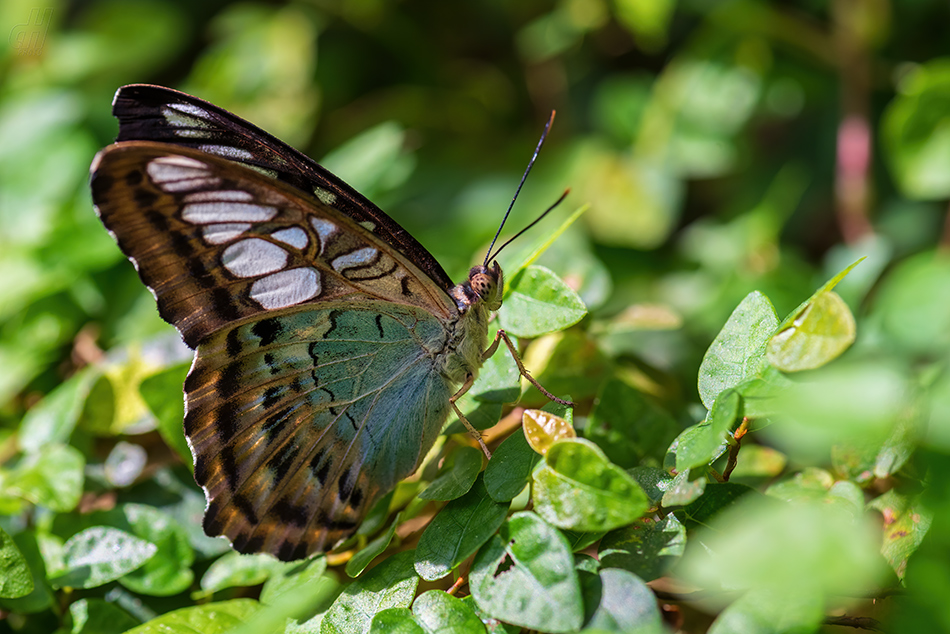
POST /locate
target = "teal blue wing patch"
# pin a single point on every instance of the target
(301, 421)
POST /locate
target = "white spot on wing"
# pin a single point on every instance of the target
(366, 224)
(354, 258)
(286, 288)
(294, 236)
(206, 213)
(219, 196)
(227, 151)
(325, 229)
(225, 232)
(179, 173)
(177, 115)
(324, 195)
(253, 257)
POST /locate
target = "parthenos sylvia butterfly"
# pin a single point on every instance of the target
(329, 342)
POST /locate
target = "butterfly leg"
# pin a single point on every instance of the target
(477, 435)
(503, 336)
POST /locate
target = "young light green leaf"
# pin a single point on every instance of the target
(549, 239)
(823, 330)
(578, 488)
(98, 555)
(510, 468)
(438, 613)
(539, 302)
(542, 429)
(525, 575)
(391, 584)
(16, 580)
(458, 531)
(458, 476)
(210, 618)
(738, 351)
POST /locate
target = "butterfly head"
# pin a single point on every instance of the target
(485, 285)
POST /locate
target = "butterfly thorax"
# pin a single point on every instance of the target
(476, 298)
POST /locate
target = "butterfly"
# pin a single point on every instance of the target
(330, 345)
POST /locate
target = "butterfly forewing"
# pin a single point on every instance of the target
(217, 242)
(155, 113)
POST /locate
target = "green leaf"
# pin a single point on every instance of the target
(439, 612)
(292, 577)
(169, 571)
(51, 477)
(542, 429)
(626, 604)
(628, 426)
(391, 584)
(16, 580)
(358, 562)
(52, 420)
(820, 333)
(510, 467)
(790, 548)
(164, 395)
(41, 598)
(913, 307)
(210, 618)
(915, 132)
(738, 351)
(906, 523)
(96, 616)
(653, 480)
(457, 477)
(373, 162)
(701, 444)
(578, 488)
(457, 531)
(682, 490)
(538, 302)
(98, 555)
(499, 380)
(647, 548)
(395, 621)
(236, 570)
(764, 611)
(525, 576)
(718, 496)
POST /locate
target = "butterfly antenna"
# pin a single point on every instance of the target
(534, 222)
(547, 126)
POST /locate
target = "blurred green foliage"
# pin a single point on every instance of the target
(734, 155)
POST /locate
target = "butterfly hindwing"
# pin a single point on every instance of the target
(155, 113)
(218, 242)
(301, 421)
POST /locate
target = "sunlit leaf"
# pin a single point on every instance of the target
(543, 429)
(98, 555)
(525, 575)
(538, 302)
(579, 489)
